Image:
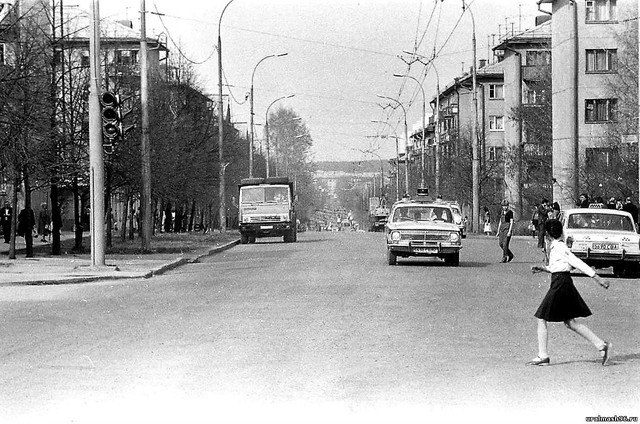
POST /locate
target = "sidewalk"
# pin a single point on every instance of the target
(69, 268)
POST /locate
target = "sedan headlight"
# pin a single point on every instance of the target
(395, 236)
(454, 237)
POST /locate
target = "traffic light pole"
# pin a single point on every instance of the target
(96, 159)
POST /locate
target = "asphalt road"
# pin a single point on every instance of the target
(322, 330)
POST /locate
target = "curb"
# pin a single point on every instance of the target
(142, 274)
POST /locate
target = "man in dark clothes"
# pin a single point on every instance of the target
(631, 208)
(6, 214)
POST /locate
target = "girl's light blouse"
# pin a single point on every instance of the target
(562, 260)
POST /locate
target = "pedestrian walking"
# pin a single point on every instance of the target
(631, 208)
(6, 214)
(26, 222)
(44, 222)
(505, 231)
(533, 226)
(584, 201)
(554, 211)
(562, 302)
(543, 213)
(487, 221)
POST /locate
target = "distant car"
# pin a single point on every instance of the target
(422, 227)
(603, 238)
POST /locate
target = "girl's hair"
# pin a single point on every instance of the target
(553, 227)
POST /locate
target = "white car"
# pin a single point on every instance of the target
(423, 228)
(603, 238)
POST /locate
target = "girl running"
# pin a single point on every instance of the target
(563, 302)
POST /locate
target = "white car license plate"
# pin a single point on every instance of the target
(266, 227)
(605, 246)
(425, 250)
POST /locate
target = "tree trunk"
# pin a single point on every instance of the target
(28, 215)
(14, 217)
(56, 217)
(125, 214)
(77, 247)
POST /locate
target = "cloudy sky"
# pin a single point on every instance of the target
(341, 55)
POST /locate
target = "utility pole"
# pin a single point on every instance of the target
(222, 166)
(475, 162)
(145, 196)
(96, 159)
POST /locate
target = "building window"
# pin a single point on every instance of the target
(496, 123)
(84, 60)
(600, 10)
(496, 91)
(495, 154)
(599, 158)
(126, 57)
(601, 60)
(538, 57)
(532, 96)
(600, 110)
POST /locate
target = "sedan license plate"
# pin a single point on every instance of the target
(605, 246)
(425, 250)
(266, 227)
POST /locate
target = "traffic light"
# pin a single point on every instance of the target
(111, 117)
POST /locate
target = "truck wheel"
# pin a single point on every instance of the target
(392, 259)
(452, 259)
(244, 239)
(288, 237)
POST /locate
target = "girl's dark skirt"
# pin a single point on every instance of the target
(562, 302)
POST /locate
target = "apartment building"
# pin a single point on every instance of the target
(588, 95)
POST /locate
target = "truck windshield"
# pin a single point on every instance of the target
(265, 194)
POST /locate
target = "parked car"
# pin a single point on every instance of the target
(423, 227)
(603, 238)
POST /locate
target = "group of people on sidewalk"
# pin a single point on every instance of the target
(26, 222)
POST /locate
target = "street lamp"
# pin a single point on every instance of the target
(221, 194)
(406, 142)
(266, 125)
(424, 105)
(475, 163)
(397, 157)
(251, 103)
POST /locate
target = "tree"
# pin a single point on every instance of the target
(535, 115)
(291, 141)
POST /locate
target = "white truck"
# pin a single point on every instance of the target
(266, 209)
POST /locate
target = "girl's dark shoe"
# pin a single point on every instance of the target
(606, 352)
(538, 361)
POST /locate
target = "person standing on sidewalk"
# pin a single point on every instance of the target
(44, 223)
(562, 302)
(6, 214)
(505, 231)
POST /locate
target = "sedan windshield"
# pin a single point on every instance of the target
(422, 213)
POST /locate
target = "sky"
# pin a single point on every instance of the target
(341, 54)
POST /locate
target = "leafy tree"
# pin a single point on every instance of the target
(291, 140)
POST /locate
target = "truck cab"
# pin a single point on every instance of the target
(266, 209)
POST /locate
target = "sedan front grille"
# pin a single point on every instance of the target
(425, 236)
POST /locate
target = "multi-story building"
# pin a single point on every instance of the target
(588, 94)
(514, 82)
